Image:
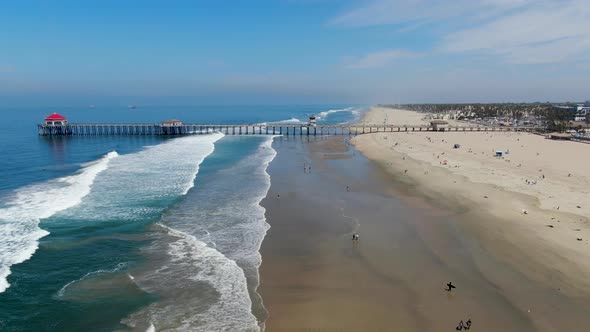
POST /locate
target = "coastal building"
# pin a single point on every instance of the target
(439, 125)
(565, 108)
(312, 120)
(172, 123)
(56, 120)
(582, 113)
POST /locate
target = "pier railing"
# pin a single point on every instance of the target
(102, 129)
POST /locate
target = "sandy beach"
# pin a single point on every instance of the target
(538, 193)
(412, 242)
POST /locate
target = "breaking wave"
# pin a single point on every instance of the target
(20, 217)
(62, 291)
(204, 262)
(323, 115)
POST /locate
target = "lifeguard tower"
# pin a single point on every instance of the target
(312, 121)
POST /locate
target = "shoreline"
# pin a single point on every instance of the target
(416, 235)
(313, 277)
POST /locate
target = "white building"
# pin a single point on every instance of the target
(172, 123)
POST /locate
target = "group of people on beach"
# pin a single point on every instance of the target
(306, 168)
(461, 325)
(355, 237)
(466, 325)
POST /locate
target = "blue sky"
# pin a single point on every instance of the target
(293, 51)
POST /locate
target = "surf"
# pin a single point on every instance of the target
(62, 291)
(26, 207)
(207, 246)
(353, 110)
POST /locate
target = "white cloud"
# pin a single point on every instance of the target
(380, 59)
(553, 31)
(379, 12)
(514, 31)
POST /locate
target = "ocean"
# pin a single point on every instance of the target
(132, 233)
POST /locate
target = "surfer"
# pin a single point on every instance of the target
(450, 286)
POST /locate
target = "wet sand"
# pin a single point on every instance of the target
(313, 277)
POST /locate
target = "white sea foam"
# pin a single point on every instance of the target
(119, 267)
(20, 217)
(217, 235)
(193, 262)
(154, 174)
(157, 172)
(325, 114)
(292, 120)
(233, 310)
(264, 224)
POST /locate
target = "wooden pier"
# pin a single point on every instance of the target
(104, 129)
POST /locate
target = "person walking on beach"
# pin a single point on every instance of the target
(347, 188)
(460, 326)
(467, 324)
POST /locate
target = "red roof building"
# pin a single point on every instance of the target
(56, 119)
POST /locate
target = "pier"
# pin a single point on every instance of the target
(103, 129)
(58, 125)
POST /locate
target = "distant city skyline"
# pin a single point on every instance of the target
(293, 52)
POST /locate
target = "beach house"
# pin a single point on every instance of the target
(582, 113)
(56, 120)
(439, 125)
